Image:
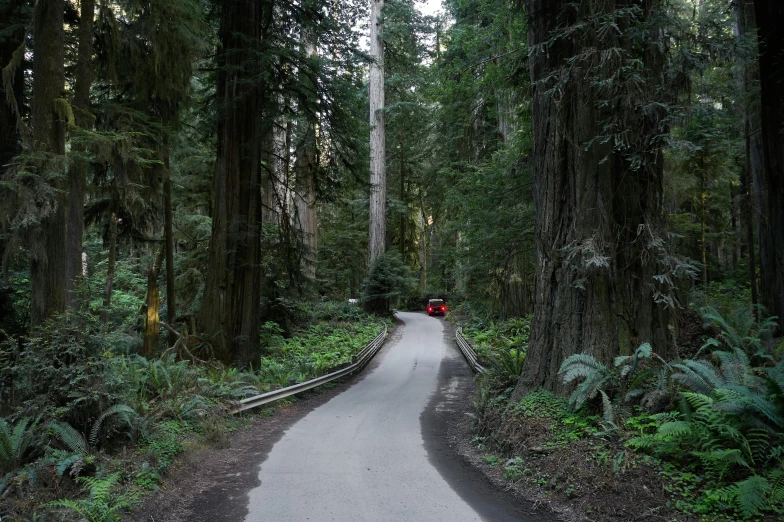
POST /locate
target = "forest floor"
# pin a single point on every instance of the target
(546, 453)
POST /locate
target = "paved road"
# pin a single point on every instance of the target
(361, 456)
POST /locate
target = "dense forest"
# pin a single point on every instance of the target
(192, 191)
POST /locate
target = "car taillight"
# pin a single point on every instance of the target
(429, 308)
(443, 308)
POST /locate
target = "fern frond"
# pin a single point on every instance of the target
(699, 376)
(698, 401)
(674, 430)
(68, 462)
(580, 365)
(607, 409)
(72, 439)
(751, 495)
(722, 460)
(121, 410)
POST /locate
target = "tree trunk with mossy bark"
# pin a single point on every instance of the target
(599, 214)
(47, 245)
(230, 308)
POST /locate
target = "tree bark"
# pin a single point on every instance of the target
(769, 184)
(753, 166)
(152, 322)
(77, 177)
(595, 211)
(230, 309)
(171, 292)
(107, 293)
(306, 170)
(47, 245)
(378, 168)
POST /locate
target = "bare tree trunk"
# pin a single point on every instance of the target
(47, 250)
(378, 167)
(595, 212)
(171, 293)
(77, 177)
(422, 251)
(230, 309)
(152, 322)
(306, 169)
(107, 293)
(769, 185)
(746, 30)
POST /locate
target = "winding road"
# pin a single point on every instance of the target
(365, 455)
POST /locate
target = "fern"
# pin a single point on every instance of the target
(594, 374)
(750, 496)
(699, 376)
(580, 365)
(121, 410)
(102, 504)
(16, 443)
(72, 439)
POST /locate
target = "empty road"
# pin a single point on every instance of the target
(363, 456)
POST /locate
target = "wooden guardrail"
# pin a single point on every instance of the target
(358, 362)
(468, 352)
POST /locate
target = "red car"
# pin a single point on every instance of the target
(436, 307)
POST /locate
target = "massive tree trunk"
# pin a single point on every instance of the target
(77, 177)
(378, 162)
(378, 166)
(599, 215)
(47, 251)
(769, 184)
(230, 309)
(752, 173)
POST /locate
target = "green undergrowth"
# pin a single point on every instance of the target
(706, 430)
(314, 350)
(86, 431)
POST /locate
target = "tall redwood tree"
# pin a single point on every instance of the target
(47, 245)
(230, 309)
(769, 180)
(597, 184)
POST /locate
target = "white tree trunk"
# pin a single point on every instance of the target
(378, 175)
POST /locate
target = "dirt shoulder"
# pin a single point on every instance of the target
(447, 432)
(583, 480)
